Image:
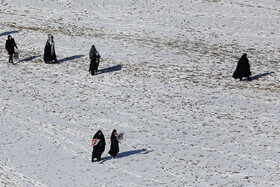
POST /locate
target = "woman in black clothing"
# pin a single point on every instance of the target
(10, 47)
(100, 147)
(94, 60)
(114, 144)
(243, 68)
(49, 52)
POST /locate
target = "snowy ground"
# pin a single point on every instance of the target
(165, 81)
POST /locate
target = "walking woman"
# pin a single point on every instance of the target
(114, 144)
(10, 47)
(243, 68)
(94, 60)
(49, 52)
(100, 147)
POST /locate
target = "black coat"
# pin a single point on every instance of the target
(10, 46)
(242, 69)
(100, 147)
(114, 149)
(49, 54)
(94, 59)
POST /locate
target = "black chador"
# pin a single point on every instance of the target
(100, 147)
(243, 68)
(114, 144)
(94, 60)
(49, 52)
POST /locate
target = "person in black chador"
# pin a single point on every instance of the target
(10, 47)
(49, 52)
(100, 147)
(243, 68)
(94, 60)
(114, 144)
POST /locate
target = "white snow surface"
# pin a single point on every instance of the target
(165, 80)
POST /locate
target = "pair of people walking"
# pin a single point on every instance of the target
(49, 52)
(99, 148)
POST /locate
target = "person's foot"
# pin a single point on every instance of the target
(249, 78)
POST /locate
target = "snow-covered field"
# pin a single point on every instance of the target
(165, 81)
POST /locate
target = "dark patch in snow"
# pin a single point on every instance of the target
(70, 58)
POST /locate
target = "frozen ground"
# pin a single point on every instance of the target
(165, 81)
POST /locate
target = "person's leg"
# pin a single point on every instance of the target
(96, 68)
(55, 59)
(91, 67)
(92, 157)
(11, 58)
(98, 155)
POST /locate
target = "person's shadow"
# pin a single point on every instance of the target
(126, 154)
(110, 69)
(133, 152)
(30, 58)
(256, 77)
(70, 58)
(8, 33)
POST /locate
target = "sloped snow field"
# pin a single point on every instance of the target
(165, 80)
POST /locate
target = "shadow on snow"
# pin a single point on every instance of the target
(129, 153)
(8, 33)
(29, 58)
(110, 69)
(126, 154)
(70, 58)
(256, 77)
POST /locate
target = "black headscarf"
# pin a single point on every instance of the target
(92, 53)
(244, 56)
(97, 135)
(113, 134)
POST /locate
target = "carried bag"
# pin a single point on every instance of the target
(16, 56)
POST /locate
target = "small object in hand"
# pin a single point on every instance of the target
(94, 141)
(120, 136)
